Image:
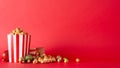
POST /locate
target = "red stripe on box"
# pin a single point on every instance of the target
(26, 43)
(12, 49)
(29, 40)
(25, 37)
(17, 47)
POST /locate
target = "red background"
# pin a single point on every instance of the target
(88, 29)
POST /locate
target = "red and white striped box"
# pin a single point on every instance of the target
(38, 49)
(18, 46)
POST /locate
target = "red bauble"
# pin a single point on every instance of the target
(5, 55)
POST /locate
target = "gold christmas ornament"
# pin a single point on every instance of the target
(37, 53)
(65, 60)
(42, 55)
(35, 61)
(28, 61)
(21, 60)
(53, 59)
(59, 58)
(77, 60)
(41, 61)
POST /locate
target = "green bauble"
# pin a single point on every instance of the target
(28, 57)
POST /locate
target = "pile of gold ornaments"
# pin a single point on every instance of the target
(42, 58)
(39, 56)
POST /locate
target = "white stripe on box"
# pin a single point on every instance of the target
(10, 47)
(20, 46)
(14, 44)
(33, 53)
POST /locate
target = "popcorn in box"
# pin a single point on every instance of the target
(18, 44)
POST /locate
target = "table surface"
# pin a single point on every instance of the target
(94, 64)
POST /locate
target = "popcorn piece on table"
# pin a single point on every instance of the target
(18, 44)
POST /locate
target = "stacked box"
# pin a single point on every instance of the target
(33, 51)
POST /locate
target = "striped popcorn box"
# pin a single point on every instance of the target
(18, 46)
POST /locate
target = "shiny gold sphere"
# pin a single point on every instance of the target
(77, 60)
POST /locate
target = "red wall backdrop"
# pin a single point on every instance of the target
(88, 29)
